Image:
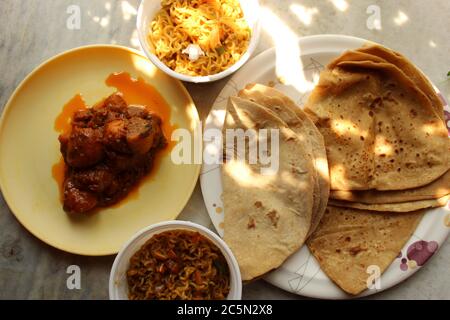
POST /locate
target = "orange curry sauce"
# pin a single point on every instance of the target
(135, 91)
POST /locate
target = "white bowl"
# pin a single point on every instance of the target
(149, 8)
(118, 286)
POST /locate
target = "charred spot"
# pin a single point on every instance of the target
(355, 250)
(251, 223)
(274, 217)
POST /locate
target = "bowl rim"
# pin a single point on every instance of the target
(174, 225)
(254, 41)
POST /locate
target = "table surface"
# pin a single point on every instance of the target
(33, 31)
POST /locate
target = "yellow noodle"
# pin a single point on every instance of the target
(217, 26)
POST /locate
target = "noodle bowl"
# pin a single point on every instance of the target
(119, 287)
(222, 33)
(178, 265)
(218, 27)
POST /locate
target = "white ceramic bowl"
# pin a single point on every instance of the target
(118, 287)
(149, 8)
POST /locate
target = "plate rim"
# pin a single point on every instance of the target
(8, 106)
(311, 40)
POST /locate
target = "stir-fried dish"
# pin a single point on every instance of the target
(199, 37)
(178, 265)
(109, 148)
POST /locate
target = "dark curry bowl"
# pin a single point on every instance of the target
(118, 285)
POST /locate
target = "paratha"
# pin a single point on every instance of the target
(411, 71)
(435, 190)
(381, 130)
(392, 207)
(349, 241)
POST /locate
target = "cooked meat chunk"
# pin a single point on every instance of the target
(137, 111)
(84, 147)
(115, 136)
(115, 103)
(76, 200)
(135, 135)
(110, 148)
(98, 179)
(122, 162)
(141, 134)
(83, 117)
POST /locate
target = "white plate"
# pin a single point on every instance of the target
(301, 274)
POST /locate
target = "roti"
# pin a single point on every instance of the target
(349, 244)
(299, 122)
(267, 217)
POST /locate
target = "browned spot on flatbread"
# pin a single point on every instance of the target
(274, 217)
(251, 223)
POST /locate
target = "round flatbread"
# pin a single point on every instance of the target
(350, 243)
(411, 71)
(299, 122)
(393, 207)
(267, 217)
(437, 189)
(381, 131)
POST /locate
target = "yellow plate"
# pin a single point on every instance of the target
(29, 147)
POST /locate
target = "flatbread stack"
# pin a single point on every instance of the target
(384, 130)
(268, 217)
(388, 152)
(353, 245)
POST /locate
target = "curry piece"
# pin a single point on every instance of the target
(109, 149)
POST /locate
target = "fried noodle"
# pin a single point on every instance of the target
(178, 265)
(218, 27)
